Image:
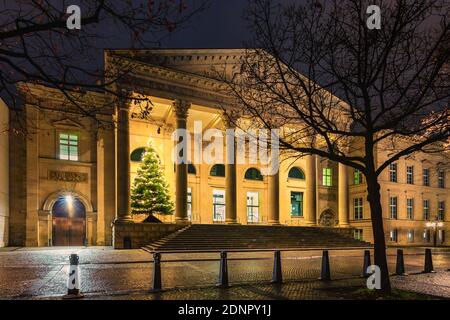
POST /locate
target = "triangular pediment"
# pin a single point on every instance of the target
(67, 123)
(196, 61)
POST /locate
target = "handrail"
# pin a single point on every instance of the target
(258, 250)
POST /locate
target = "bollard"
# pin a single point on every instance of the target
(428, 262)
(223, 273)
(157, 285)
(73, 283)
(277, 276)
(366, 264)
(325, 272)
(400, 267)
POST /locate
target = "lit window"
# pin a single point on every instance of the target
(296, 204)
(441, 178)
(393, 207)
(410, 175)
(252, 207)
(410, 236)
(441, 210)
(426, 177)
(326, 177)
(393, 172)
(357, 177)
(426, 209)
(358, 234)
(393, 235)
(68, 146)
(410, 208)
(218, 205)
(189, 203)
(358, 208)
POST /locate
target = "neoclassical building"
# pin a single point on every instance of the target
(70, 178)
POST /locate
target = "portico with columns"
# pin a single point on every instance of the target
(179, 99)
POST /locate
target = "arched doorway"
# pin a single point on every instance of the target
(68, 222)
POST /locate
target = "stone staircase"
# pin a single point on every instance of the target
(212, 237)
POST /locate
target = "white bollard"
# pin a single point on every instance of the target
(73, 283)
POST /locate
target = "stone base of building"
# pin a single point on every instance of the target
(137, 235)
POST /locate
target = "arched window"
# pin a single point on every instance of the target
(137, 154)
(191, 169)
(296, 173)
(218, 170)
(253, 174)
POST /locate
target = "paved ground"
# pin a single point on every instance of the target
(126, 274)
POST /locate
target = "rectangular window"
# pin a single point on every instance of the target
(358, 208)
(68, 146)
(409, 174)
(393, 235)
(393, 172)
(426, 177)
(426, 235)
(410, 208)
(410, 236)
(393, 207)
(219, 205)
(358, 234)
(441, 236)
(252, 207)
(441, 210)
(357, 177)
(326, 173)
(441, 179)
(297, 204)
(426, 209)
(189, 203)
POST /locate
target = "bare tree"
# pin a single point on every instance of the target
(392, 84)
(37, 46)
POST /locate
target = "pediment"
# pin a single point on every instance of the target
(197, 61)
(67, 123)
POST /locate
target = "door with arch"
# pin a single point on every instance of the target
(68, 222)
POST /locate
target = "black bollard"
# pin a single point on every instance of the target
(366, 264)
(157, 284)
(325, 272)
(400, 267)
(277, 276)
(428, 262)
(223, 272)
(73, 283)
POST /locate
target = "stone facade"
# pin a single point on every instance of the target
(4, 175)
(176, 83)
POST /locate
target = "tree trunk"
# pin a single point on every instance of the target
(374, 199)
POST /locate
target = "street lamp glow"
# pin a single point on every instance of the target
(69, 199)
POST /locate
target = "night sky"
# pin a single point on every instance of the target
(220, 26)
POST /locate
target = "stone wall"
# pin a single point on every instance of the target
(140, 234)
(4, 174)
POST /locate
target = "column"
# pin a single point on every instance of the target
(274, 198)
(310, 194)
(181, 109)
(230, 175)
(123, 213)
(343, 196)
